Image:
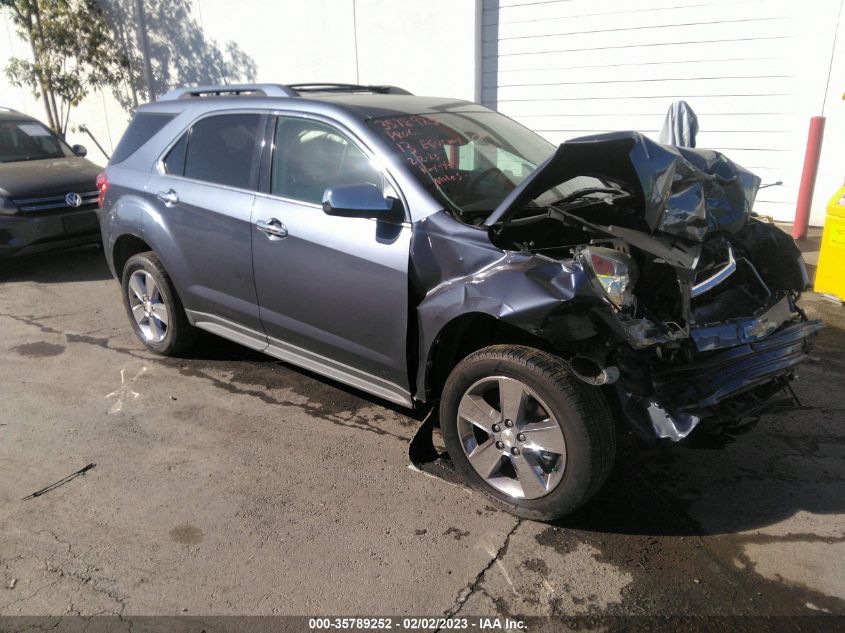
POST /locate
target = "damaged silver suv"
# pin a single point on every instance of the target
(427, 250)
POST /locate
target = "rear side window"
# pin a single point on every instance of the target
(142, 128)
(222, 150)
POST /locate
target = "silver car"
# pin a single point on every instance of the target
(429, 250)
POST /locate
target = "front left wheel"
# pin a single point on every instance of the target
(523, 430)
(154, 308)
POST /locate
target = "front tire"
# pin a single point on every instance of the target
(153, 307)
(524, 431)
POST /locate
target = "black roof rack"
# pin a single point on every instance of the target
(330, 87)
(275, 90)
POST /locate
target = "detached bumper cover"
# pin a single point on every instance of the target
(703, 384)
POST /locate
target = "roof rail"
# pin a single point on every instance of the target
(2, 107)
(333, 87)
(275, 90)
(231, 90)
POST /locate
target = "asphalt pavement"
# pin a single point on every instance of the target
(229, 483)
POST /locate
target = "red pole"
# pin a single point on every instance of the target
(808, 178)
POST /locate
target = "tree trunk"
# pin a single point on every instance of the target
(51, 97)
(124, 38)
(144, 45)
(36, 57)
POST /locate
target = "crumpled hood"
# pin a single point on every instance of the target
(31, 178)
(683, 192)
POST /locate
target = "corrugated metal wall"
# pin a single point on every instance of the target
(753, 70)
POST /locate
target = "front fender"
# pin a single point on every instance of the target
(460, 273)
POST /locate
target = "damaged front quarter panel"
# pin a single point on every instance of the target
(457, 271)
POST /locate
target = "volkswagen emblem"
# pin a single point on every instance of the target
(73, 199)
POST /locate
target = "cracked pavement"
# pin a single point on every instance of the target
(227, 482)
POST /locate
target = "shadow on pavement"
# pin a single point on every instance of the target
(85, 263)
(791, 462)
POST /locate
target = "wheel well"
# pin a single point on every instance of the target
(469, 333)
(125, 247)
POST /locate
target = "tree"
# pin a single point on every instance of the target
(72, 53)
(166, 47)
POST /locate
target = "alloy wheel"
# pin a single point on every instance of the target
(148, 306)
(511, 438)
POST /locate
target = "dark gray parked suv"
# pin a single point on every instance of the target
(48, 191)
(425, 249)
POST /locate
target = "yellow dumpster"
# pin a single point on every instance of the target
(830, 275)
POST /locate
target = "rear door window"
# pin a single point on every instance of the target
(142, 128)
(223, 150)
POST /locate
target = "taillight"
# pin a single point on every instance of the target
(102, 187)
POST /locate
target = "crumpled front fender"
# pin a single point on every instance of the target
(458, 271)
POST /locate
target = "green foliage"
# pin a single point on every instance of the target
(84, 45)
(72, 53)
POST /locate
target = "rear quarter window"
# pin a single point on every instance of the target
(174, 163)
(142, 128)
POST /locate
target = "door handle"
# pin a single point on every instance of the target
(272, 228)
(168, 197)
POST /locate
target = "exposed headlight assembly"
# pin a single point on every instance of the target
(611, 272)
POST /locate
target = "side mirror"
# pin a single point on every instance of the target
(79, 150)
(364, 200)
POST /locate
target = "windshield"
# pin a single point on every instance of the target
(471, 161)
(29, 140)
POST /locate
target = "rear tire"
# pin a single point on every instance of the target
(153, 306)
(554, 454)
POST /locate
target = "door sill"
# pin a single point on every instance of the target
(300, 357)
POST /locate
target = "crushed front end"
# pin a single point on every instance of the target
(697, 322)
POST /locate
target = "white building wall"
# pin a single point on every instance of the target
(831, 174)
(753, 70)
(425, 47)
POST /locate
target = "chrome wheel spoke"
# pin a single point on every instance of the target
(138, 312)
(512, 398)
(529, 474)
(137, 287)
(486, 458)
(159, 311)
(150, 286)
(156, 331)
(545, 436)
(473, 408)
